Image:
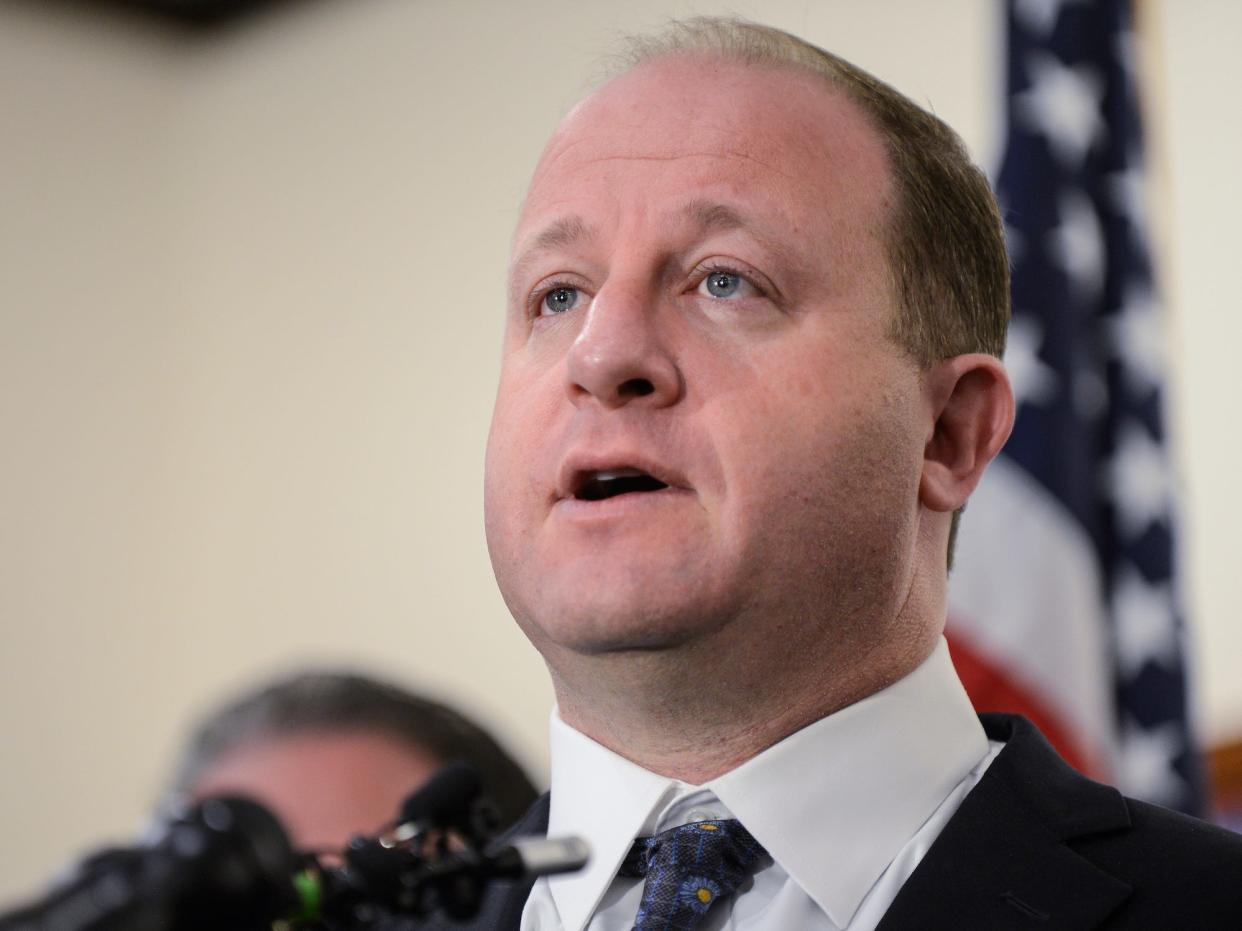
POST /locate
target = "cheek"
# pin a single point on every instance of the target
(512, 431)
(502, 482)
(499, 470)
(812, 457)
(519, 467)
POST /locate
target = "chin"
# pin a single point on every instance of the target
(615, 621)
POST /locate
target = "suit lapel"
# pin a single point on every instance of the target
(1003, 860)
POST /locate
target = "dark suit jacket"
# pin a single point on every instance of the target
(1033, 845)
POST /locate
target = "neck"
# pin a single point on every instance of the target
(702, 707)
(673, 713)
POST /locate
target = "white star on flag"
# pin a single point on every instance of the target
(1033, 380)
(1138, 481)
(1146, 762)
(1064, 104)
(1077, 244)
(1144, 613)
(1128, 192)
(1135, 337)
(1040, 16)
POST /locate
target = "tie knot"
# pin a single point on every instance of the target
(688, 868)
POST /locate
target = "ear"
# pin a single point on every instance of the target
(971, 407)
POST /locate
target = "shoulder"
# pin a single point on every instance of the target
(1035, 840)
(1175, 865)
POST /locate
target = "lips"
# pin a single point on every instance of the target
(608, 483)
(591, 479)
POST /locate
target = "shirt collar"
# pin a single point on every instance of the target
(832, 804)
(603, 798)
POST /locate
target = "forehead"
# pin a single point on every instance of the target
(776, 140)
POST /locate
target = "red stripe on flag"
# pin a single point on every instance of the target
(992, 687)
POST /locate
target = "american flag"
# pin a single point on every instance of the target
(1065, 602)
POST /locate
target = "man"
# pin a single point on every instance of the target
(334, 754)
(750, 377)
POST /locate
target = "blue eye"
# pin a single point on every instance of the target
(559, 300)
(722, 284)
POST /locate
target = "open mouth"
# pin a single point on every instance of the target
(608, 483)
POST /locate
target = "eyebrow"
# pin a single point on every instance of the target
(567, 231)
(563, 232)
(707, 216)
(711, 217)
(559, 234)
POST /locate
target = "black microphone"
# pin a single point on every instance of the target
(226, 864)
(405, 872)
(442, 857)
(446, 800)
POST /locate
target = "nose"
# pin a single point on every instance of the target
(621, 356)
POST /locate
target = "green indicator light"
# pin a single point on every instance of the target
(310, 894)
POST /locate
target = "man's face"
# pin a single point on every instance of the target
(702, 420)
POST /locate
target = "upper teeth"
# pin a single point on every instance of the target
(607, 475)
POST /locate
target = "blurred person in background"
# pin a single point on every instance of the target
(334, 754)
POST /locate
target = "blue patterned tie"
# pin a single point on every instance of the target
(687, 870)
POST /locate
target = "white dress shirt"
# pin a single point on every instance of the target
(846, 808)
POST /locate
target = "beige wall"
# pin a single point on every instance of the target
(1203, 149)
(250, 294)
